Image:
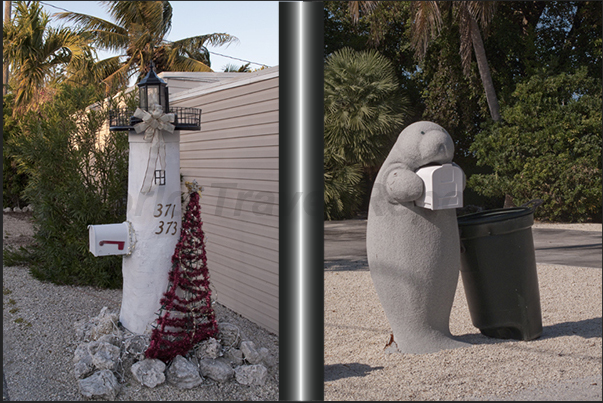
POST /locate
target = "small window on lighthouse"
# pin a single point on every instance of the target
(159, 177)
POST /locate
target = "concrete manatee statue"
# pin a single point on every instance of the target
(413, 252)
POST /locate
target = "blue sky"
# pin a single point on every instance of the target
(255, 23)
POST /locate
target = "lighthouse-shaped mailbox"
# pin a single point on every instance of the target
(148, 238)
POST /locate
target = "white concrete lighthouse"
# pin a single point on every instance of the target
(154, 214)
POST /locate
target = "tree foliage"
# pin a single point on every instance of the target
(139, 30)
(549, 147)
(74, 182)
(38, 54)
(523, 40)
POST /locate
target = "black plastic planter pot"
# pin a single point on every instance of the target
(498, 268)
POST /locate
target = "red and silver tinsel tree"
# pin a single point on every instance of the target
(186, 315)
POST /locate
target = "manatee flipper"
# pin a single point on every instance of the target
(403, 186)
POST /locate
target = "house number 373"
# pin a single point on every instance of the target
(169, 227)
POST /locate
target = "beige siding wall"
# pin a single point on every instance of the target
(235, 158)
(180, 81)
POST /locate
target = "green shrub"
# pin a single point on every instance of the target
(13, 182)
(73, 183)
(547, 147)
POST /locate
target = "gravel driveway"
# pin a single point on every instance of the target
(39, 338)
(563, 364)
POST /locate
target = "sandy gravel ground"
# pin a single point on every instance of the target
(565, 362)
(39, 338)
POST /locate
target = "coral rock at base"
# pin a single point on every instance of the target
(102, 384)
(183, 374)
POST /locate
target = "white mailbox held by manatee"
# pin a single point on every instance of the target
(444, 186)
(111, 239)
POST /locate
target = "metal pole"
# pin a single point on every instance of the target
(301, 222)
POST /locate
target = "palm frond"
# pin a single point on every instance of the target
(427, 23)
(183, 63)
(121, 76)
(154, 16)
(40, 54)
(482, 11)
(366, 6)
(105, 34)
(195, 42)
(64, 38)
(233, 68)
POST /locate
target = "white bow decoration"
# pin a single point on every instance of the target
(153, 124)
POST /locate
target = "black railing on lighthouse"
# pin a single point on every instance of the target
(185, 118)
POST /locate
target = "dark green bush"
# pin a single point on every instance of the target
(547, 147)
(73, 183)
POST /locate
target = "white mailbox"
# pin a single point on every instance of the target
(111, 239)
(444, 186)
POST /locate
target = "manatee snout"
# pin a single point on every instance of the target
(436, 146)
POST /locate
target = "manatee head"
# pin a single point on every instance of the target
(423, 143)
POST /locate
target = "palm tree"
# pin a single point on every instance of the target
(363, 106)
(427, 23)
(363, 112)
(233, 68)
(36, 53)
(470, 15)
(139, 30)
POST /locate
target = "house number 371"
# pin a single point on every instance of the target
(169, 227)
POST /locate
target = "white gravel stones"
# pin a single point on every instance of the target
(149, 372)
(251, 374)
(25, 209)
(183, 374)
(17, 209)
(103, 384)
